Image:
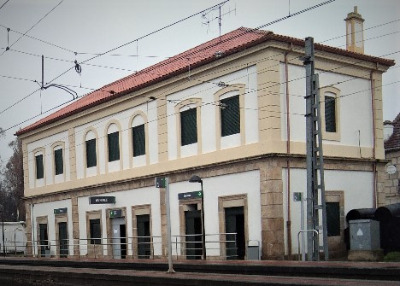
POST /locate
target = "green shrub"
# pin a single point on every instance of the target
(392, 257)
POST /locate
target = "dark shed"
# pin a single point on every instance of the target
(388, 212)
(367, 213)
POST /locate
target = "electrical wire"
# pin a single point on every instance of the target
(34, 25)
(184, 19)
(341, 66)
(293, 14)
(1, 7)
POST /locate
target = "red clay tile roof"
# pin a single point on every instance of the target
(228, 44)
(393, 142)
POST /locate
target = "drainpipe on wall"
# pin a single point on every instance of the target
(289, 222)
(32, 232)
(375, 198)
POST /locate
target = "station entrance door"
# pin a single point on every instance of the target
(235, 237)
(118, 238)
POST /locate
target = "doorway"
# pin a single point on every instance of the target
(143, 233)
(43, 239)
(194, 247)
(235, 233)
(118, 238)
(63, 239)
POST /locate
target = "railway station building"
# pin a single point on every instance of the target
(229, 111)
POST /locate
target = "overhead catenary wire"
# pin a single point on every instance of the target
(101, 121)
(34, 25)
(259, 109)
(142, 37)
(4, 4)
(352, 63)
(118, 68)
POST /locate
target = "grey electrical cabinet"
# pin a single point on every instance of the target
(364, 234)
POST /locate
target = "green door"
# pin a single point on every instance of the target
(144, 241)
(43, 239)
(63, 239)
(235, 237)
(194, 245)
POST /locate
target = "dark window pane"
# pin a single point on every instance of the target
(113, 146)
(230, 116)
(95, 231)
(333, 218)
(91, 159)
(188, 127)
(138, 141)
(39, 167)
(330, 114)
(58, 161)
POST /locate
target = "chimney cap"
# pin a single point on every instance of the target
(354, 14)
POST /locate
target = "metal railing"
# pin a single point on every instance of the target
(223, 245)
(303, 251)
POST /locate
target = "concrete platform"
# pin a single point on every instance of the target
(73, 272)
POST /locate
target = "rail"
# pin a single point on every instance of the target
(141, 247)
(303, 242)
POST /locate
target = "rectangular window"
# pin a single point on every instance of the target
(91, 159)
(39, 167)
(330, 114)
(188, 127)
(333, 219)
(230, 116)
(138, 141)
(113, 146)
(95, 231)
(58, 161)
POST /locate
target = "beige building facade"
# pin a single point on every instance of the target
(230, 111)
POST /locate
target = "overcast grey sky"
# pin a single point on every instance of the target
(68, 30)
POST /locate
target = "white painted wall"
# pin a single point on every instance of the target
(47, 209)
(100, 125)
(48, 160)
(357, 187)
(206, 92)
(126, 199)
(240, 183)
(355, 106)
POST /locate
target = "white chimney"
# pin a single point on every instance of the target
(354, 32)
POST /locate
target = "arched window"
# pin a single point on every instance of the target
(39, 165)
(113, 143)
(330, 113)
(91, 153)
(138, 136)
(58, 160)
(188, 116)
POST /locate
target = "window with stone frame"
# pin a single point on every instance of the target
(58, 161)
(138, 140)
(330, 113)
(113, 146)
(91, 156)
(39, 166)
(230, 116)
(188, 126)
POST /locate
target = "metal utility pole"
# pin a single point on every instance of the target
(315, 164)
(163, 182)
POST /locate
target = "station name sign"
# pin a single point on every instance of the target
(190, 195)
(102, 200)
